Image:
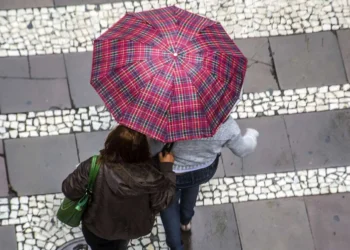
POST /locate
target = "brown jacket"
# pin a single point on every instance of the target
(126, 197)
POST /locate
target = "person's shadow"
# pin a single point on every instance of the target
(187, 240)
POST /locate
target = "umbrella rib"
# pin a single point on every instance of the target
(153, 46)
(195, 51)
(172, 90)
(167, 37)
(105, 76)
(102, 77)
(203, 20)
(209, 55)
(203, 105)
(211, 74)
(155, 28)
(224, 87)
(140, 91)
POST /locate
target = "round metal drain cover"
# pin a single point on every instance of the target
(77, 244)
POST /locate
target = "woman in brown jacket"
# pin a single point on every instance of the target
(129, 190)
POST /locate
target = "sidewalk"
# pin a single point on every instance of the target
(292, 193)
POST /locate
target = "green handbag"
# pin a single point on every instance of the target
(71, 212)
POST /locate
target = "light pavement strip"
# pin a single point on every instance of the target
(37, 31)
(97, 118)
(38, 228)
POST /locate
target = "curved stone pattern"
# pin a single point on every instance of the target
(275, 185)
(37, 31)
(37, 227)
(97, 118)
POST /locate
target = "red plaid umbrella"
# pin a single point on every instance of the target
(168, 73)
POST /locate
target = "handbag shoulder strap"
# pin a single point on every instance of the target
(93, 173)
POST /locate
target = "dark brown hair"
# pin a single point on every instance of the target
(125, 145)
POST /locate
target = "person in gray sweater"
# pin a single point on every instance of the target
(195, 163)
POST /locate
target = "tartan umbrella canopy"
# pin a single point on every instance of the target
(168, 73)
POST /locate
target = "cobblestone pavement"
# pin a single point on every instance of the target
(292, 193)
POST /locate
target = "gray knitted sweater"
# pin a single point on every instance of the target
(195, 154)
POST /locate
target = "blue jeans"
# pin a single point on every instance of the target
(181, 210)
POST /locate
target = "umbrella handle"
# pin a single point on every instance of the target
(167, 148)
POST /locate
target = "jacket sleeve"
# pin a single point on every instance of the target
(155, 146)
(243, 145)
(73, 187)
(162, 199)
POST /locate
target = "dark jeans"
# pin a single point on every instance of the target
(97, 243)
(181, 210)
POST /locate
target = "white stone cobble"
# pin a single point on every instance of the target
(37, 227)
(294, 101)
(280, 185)
(35, 31)
(97, 118)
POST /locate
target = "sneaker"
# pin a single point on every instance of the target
(186, 228)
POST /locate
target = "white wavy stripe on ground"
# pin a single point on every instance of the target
(37, 31)
(37, 226)
(97, 118)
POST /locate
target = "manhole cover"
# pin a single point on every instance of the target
(77, 244)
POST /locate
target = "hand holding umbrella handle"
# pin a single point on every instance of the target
(167, 148)
(168, 157)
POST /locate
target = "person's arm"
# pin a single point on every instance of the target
(243, 145)
(73, 187)
(162, 199)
